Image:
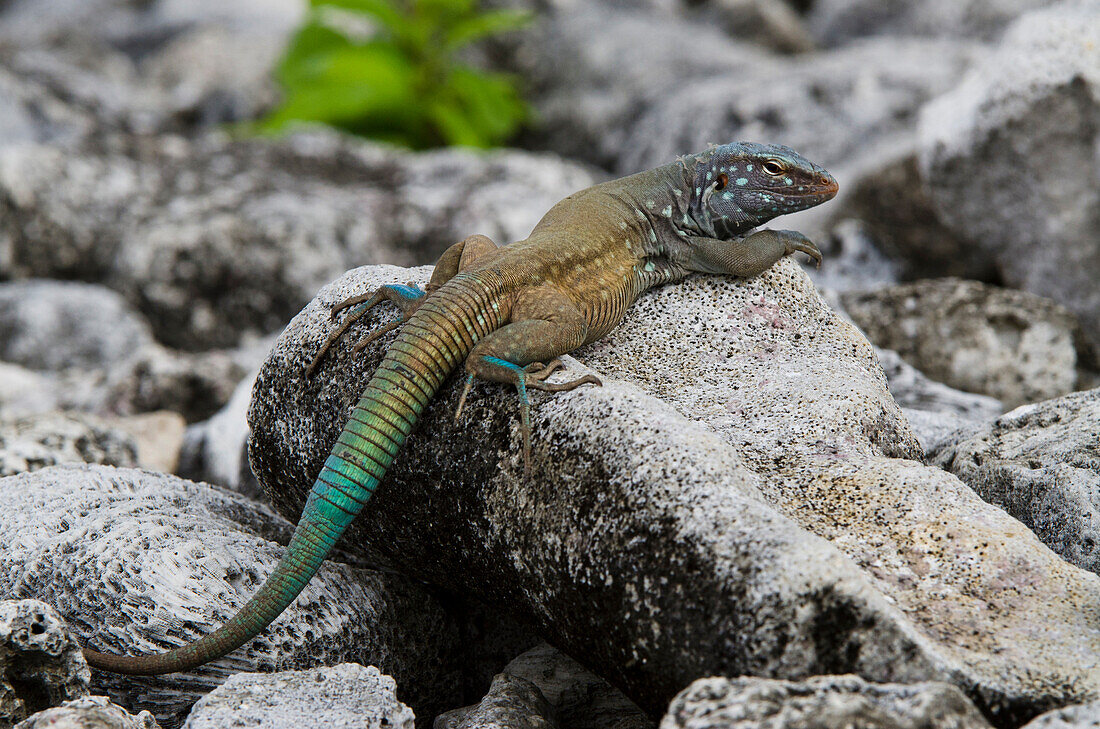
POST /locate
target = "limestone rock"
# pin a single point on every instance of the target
(23, 392)
(773, 24)
(834, 22)
(345, 696)
(1007, 344)
(512, 703)
(254, 227)
(580, 699)
(1010, 157)
(825, 702)
(32, 442)
(140, 562)
(739, 497)
(1041, 463)
(89, 712)
(216, 450)
(40, 661)
(1081, 716)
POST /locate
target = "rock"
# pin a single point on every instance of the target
(141, 562)
(348, 695)
(216, 450)
(512, 703)
(893, 207)
(158, 437)
(1041, 463)
(1009, 157)
(1007, 344)
(23, 392)
(739, 497)
(1081, 716)
(254, 226)
(54, 325)
(851, 261)
(835, 22)
(32, 442)
(934, 410)
(773, 24)
(580, 699)
(40, 662)
(823, 702)
(89, 712)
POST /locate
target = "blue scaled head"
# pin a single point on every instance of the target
(736, 187)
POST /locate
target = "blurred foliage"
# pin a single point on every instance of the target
(389, 70)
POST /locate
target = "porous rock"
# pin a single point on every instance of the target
(89, 712)
(40, 662)
(346, 696)
(580, 698)
(216, 450)
(31, 442)
(834, 22)
(773, 24)
(936, 412)
(512, 703)
(1079, 716)
(212, 237)
(739, 497)
(1011, 345)
(1009, 157)
(23, 392)
(824, 702)
(139, 562)
(1041, 463)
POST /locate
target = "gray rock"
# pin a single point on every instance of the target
(1007, 344)
(1010, 157)
(580, 698)
(825, 702)
(89, 712)
(1081, 716)
(739, 497)
(211, 238)
(23, 392)
(512, 703)
(32, 442)
(834, 22)
(852, 261)
(54, 325)
(216, 450)
(1041, 463)
(773, 24)
(141, 562)
(935, 411)
(40, 662)
(347, 696)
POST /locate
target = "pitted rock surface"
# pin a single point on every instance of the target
(346, 696)
(1009, 157)
(139, 562)
(741, 496)
(37, 441)
(40, 660)
(512, 703)
(824, 702)
(1041, 464)
(89, 712)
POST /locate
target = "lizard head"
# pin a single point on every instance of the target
(736, 187)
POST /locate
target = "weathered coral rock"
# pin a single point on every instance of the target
(89, 712)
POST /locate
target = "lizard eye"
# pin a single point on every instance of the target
(723, 180)
(773, 167)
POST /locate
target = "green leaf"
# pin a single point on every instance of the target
(482, 26)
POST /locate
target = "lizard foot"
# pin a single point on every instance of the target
(534, 376)
(407, 298)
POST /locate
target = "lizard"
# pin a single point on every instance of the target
(509, 313)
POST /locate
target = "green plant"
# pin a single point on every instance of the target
(388, 69)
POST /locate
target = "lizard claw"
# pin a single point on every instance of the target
(798, 242)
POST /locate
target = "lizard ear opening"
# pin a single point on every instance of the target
(723, 180)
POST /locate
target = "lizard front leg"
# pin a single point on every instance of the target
(749, 255)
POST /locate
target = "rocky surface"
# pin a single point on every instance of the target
(140, 562)
(37, 441)
(216, 450)
(935, 411)
(1010, 157)
(654, 499)
(1081, 716)
(343, 696)
(826, 702)
(512, 703)
(1041, 463)
(89, 712)
(40, 660)
(1011, 345)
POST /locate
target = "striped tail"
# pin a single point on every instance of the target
(431, 345)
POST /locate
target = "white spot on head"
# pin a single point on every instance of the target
(650, 204)
(748, 168)
(742, 181)
(667, 212)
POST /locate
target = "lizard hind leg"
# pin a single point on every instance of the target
(407, 297)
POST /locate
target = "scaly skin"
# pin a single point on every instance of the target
(505, 311)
